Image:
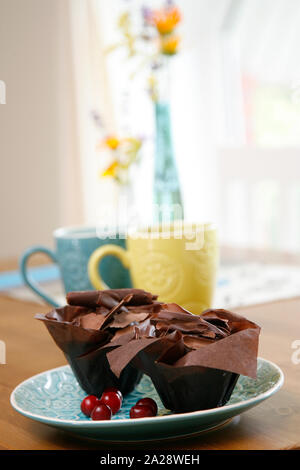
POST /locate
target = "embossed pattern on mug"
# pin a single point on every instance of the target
(74, 269)
(160, 273)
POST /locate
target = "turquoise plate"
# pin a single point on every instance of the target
(53, 397)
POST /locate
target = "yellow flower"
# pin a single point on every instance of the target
(111, 170)
(166, 19)
(126, 152)
(169, 44)
(112, 142)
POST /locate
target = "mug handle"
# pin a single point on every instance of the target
(97, 256)
(26, 277)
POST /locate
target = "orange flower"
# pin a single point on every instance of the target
(111, 170)
(166, 19)
(169, 44)
(112, 142)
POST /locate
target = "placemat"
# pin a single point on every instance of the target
(238, 284)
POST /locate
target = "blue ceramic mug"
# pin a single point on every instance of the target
(74, 247)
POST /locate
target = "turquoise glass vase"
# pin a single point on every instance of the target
(167, 193)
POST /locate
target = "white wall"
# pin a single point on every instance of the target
(32, 122)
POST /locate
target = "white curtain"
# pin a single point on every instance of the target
(221, 40)
(102, 83)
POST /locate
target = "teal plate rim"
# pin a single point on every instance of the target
(88, 423)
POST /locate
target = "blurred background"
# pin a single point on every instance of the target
(235, 100)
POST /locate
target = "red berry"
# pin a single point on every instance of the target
(115, 390)
(148, 402)
(141, 411)
(111, 399)
(88, 404)
(101, 412)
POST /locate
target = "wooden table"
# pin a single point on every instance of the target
(274, 424)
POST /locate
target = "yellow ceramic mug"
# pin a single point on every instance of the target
(178, 263)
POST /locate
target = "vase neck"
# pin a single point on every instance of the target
(167, 194)
(163, 81)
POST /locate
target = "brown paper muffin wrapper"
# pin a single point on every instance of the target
(85, 352)
(84, 331)
(195, 366)
(191, 388)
